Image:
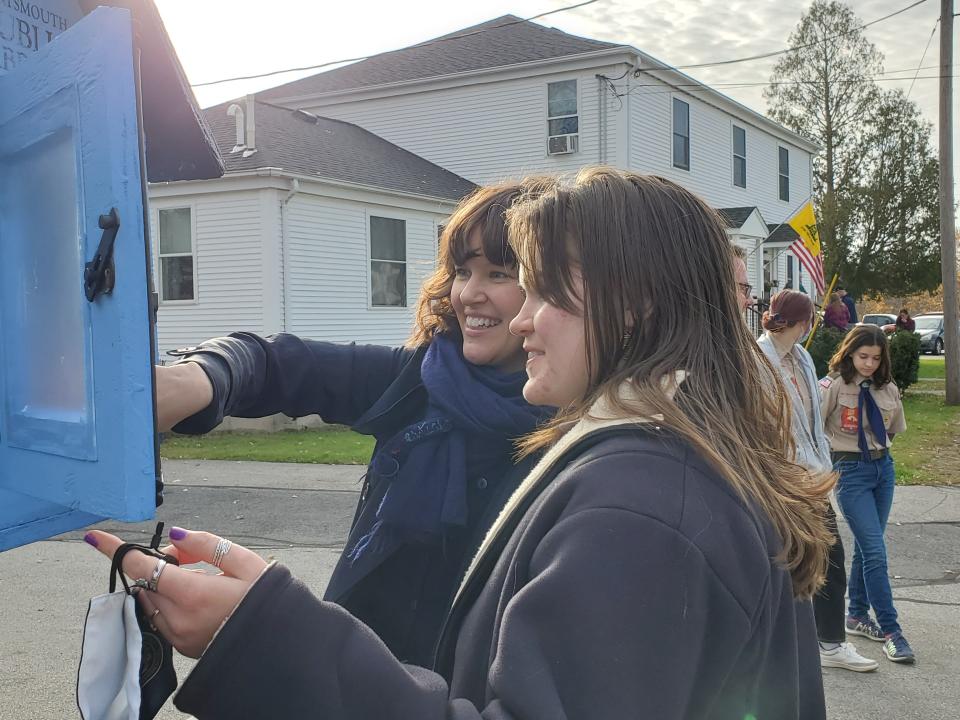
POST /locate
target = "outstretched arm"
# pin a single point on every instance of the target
(253, 376)
(182, 390)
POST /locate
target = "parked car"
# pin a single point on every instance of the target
(930, 329)
(884, 320)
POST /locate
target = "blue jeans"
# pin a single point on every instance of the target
(865, 495)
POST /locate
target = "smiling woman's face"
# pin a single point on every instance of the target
(486, 297)
(556, 347)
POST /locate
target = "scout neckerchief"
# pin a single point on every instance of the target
(875, 418)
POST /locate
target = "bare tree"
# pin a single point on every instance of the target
(824, 89)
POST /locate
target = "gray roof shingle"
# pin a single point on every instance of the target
(781, 233)
(503, 41)
(735, 217)
(305, 144)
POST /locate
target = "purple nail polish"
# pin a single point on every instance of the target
(90, 539)
(177, 533)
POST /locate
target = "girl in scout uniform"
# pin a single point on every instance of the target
(862, 413)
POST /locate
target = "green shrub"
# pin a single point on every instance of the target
(904, 358)
(823, 347)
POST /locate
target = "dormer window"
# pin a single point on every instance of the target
(563, 121)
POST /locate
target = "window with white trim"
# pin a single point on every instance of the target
(739, 157)
(784, 174)
(563, 120)
(175, 251)
(388, 262)
(681, 134)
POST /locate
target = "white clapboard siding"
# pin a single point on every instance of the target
(753, 248)
(328, 245)
(780, 275)
(229, 266)
(711, 152)
(487, 132)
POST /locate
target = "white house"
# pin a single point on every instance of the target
(747, 228)
(318, 228)
(326, 219)
(510, 97)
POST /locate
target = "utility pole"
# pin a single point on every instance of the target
(948, 237)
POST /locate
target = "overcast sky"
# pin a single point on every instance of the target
(225, 38)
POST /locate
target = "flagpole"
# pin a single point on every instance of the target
(816, 318)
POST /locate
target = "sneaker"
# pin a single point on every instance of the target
(846, 656)
(865, 627)
(898, 649)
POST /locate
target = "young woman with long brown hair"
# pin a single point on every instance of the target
(659, 560)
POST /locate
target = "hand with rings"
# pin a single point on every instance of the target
(187, 606)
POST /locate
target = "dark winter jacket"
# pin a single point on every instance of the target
(909, 324)
(851, 308)
(631, 582)
(836, 316)
(403, 591)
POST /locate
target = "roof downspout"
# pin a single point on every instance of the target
(285, 252)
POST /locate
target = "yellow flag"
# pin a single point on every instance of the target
(805, 225)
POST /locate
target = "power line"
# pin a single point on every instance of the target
(702, 87)
(763, 56)
(923, 57)
(424, 44)
(544, 14)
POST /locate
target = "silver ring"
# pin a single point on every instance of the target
(223, 547)
(155, 578)
(142, 583)
(150, 620)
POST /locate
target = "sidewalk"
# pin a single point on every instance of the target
(923, 545)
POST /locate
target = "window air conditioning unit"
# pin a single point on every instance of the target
(563, 144)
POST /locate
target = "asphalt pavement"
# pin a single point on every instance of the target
(299, 514)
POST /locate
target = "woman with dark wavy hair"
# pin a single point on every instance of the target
(657, 562)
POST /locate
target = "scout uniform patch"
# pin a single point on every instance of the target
(848, 420)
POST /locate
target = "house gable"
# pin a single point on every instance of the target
(487, 118)
(744, 221)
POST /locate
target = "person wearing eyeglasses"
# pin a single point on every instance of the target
(744, 288)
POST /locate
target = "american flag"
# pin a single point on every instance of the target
(807, 246)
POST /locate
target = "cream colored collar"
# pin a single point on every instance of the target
(600, 416)
(783, 346)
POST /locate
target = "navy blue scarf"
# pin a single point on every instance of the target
(473, 415)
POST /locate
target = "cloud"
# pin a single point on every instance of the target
(689, 32)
